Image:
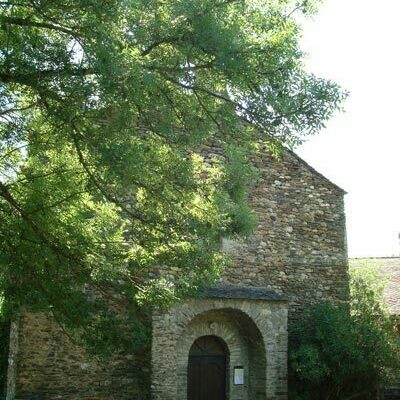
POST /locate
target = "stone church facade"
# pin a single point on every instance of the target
(230, 343)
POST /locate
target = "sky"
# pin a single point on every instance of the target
(356, 43)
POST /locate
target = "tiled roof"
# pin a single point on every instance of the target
(390, 269)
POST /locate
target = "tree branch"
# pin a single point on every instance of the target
(99, 187)
(5, 193)
(167, 40)
(57, 203)
(28, 79)
(12, 110)
(29, 22)
(186, 68)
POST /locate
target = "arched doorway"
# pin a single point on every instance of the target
(207, 369)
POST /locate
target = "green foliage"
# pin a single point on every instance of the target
(239, 176)
(105, 109)
(345, 352)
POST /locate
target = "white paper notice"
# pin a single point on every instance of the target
(238, 376)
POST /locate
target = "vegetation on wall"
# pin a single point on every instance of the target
(104, 108)
(345, 352)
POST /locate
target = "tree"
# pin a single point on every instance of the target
(106, 106)
(345, 352)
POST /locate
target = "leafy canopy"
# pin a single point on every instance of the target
(106, 111)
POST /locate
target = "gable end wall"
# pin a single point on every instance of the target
(298, 249)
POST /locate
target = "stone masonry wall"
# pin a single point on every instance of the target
(245, 325)
(50, 367)
(298, 249)
(299, 246)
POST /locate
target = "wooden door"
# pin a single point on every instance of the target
(207, 369)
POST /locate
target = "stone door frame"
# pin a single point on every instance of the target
(171, 344)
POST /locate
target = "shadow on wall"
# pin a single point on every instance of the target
(244, 347)
(4, 343)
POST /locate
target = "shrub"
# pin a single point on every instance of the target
(344, 351)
